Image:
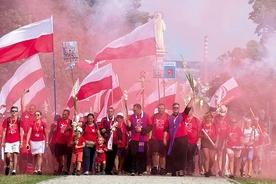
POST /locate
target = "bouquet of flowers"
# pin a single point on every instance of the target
(77, 129)
(188, 75)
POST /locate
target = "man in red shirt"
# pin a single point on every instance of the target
(221, 121)
(159, 149)
(63, 135)
(28, 117)
(193, 128)
(140, 125)
(12, 139)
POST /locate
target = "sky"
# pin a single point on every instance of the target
(187, 22)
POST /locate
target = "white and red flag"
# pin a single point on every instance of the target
(226, 93)
(24, 77)
(97, 80)
(36, 95)
(110, 97)
(139, 43)
(152, 101)
(27, 41)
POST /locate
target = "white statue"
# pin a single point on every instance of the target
(160, 27)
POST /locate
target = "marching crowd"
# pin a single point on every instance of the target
(118, 144)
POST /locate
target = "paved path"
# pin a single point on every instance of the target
(146, 179)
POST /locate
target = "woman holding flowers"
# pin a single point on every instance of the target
(37, 140)
(90, 133)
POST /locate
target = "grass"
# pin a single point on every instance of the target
(24, 179)
(256, 181)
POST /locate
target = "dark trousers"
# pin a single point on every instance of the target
(110, 158)
(191, 153)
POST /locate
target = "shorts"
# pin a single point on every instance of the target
(77, 157)
(62, 149)
(220, 144)
(120, 152)
(247, 154)
(236, 152)
(158, 146)
(52, 148)
(205, 143)
(12, 147)
(37, 147)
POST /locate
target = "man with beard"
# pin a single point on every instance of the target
(178, 143)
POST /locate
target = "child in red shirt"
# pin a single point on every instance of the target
(101, 156)
(77, 153)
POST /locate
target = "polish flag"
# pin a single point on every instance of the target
(97, 80)
(36, 95)
(139, 43)
(226, 93)
(152, 101)
(27, 41)
(111, 96)
(24, 77)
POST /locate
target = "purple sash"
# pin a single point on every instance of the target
(173, 126)
(141, 138)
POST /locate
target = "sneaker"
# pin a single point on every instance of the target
(13, 172)
(7, 170)
(163, 171)
(98, 173)
(78, 173)
(154, 171)
(180, 173)
(35, 172)
(86, 173)
(39, 172)
(207, 174)
(103, 172)
(116, 172)
(74, 172)
(132, 173)
(66, 172)
(174, 174)
(231, 176)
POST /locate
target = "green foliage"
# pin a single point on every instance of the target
(264, 15)
(25, 179)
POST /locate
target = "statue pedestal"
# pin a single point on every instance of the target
(160, 55)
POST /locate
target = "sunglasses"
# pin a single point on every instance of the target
(37, 114)
(175, 107)
(14, 110)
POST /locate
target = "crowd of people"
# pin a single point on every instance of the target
(162, 144)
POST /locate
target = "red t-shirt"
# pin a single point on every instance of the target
(28, 119)
(234, 137)
(159, 122)
(192, 129)
(53, 133)
(13, 130)
(211, 130)
(181, 130)
(80, 142)
(90, 132)
(100, 156)
(122, 127)
(223, 126)
(37, 133)
(63, 137)
(136, 135)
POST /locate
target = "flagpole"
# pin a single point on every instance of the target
(54, 70)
